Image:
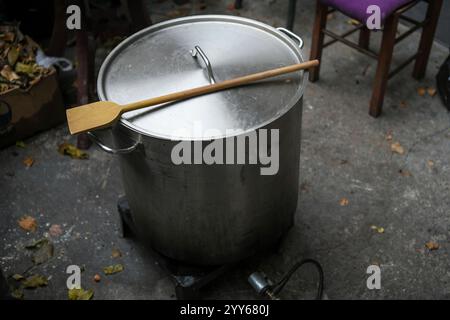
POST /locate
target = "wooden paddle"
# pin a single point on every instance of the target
(104, 113)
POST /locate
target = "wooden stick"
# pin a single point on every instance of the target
(219, 86)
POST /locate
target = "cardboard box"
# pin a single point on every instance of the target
(24, 113)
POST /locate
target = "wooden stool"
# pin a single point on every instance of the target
(392, 12)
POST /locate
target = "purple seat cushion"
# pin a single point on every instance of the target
(356, 9)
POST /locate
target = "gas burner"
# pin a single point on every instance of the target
(188, 279)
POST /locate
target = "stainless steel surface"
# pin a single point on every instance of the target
(157, 61)
(259, 282)
(211, 214)
(198, 51)
(206, 214)
(112, 150)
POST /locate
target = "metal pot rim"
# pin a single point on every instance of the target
(197, 18)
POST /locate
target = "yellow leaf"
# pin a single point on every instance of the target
(80, 294)
(116, 253)
(28, 69)
(34, 282)
(431, 245)
(113, 269)
(377, 229)
(72, 151)
(55, 230)
(397, 148)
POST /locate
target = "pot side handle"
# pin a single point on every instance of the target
(292, 35)
(111, 150)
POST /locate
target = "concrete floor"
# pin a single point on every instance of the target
(345, 154)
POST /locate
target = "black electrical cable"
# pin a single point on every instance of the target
(284, 280)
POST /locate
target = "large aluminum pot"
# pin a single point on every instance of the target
(206, 214)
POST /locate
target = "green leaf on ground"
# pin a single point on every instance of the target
(113, 269)
(80, 294)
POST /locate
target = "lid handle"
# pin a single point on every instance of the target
(292, 35)
(198, 51)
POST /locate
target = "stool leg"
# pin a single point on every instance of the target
(364, 38)
(426, 41)
(85, 69)
(320, 23)
(384, 62)
(291, 14)
(59, 33)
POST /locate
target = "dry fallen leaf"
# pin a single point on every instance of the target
(68, 149)
(9, 74)
(431, 92)
(55, 230)
(36, 244)
(18, 277)
(116, 253)
(431, 245)
(28, 223)
(17, 294)
(397, 148)
(42, 251)
(113, 269)
(430, 163)
(80, 294)
(13, 55)
(231, 7)
(389, 136)
(34, 282)
(377, 229)
(8, 36)
(421, 91)
(28, 162)
(344, 202)
(28, 69)
(405, 173)
(304, 187)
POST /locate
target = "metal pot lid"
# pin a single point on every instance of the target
(158, 60)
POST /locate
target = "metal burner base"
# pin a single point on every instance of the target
(188, 280)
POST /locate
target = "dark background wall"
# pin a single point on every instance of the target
(443, 32)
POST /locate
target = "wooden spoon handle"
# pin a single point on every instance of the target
(219, 86)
